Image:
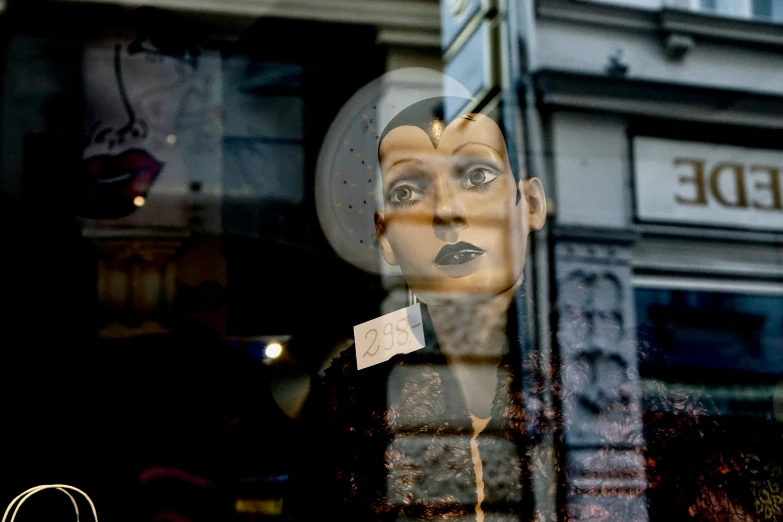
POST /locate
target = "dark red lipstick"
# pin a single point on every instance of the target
(111, 183)
(457, 254)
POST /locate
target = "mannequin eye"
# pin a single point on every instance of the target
(478, 178)
(405, 195)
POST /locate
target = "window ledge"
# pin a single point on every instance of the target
(666, 20)
(406, 14)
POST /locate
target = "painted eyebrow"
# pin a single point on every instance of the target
(389, 182)
(405, 160)
(493, 149)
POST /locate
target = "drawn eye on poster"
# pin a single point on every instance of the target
(153, 123)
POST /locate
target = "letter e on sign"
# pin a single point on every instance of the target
(379, 340)
(697, 179)
(772, 186)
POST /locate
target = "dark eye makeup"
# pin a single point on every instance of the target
(411, 186)
(405, 194)
(479, 178)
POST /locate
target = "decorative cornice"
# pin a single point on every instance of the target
(556, 88)
(409, 14)
(409, 37)
(721, 28)
(597, 14)
(665, 20)
(604, 236)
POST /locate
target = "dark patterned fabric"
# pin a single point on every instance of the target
(707, 467)
(395, 443)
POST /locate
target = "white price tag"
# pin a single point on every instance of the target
(379, 340)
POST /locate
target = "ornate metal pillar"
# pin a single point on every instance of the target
(136, 280)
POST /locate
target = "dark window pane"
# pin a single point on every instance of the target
(716, 334)
(762, 8)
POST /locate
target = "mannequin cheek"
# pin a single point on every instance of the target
(518, 250)
(520, 221)
(412, 258)
(408, 233)
(410, 225)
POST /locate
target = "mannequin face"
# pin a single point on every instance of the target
(451, 219)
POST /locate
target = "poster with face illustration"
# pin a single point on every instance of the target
(153, 121)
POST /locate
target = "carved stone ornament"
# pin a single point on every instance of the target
(601, 412)
(599, 371)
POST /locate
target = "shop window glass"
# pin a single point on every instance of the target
(711, 364)
(768, 9)
(208, 214)
(694, 334)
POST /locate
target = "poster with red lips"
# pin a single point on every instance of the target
(153, 123)
(113, 184)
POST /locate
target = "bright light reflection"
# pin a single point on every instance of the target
(138, 201)
(273, 350)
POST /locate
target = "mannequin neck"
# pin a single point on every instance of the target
(472, 335)
(473, 329)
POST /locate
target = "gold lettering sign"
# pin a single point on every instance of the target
(772, 186)
(738, 180)
(729, 184)
(697, 180)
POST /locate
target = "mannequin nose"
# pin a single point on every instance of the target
(449, 217)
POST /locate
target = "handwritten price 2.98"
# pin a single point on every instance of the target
(403, 337)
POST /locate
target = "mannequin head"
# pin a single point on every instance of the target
(455, 217)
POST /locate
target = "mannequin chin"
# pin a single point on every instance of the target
(455, 217)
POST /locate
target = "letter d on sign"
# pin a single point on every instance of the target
(739, 184)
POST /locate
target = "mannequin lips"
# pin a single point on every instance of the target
(457, 254)
(111, 183)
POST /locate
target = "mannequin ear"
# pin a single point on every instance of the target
(533, 191)
(383, 240)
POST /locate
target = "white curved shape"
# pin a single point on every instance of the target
(73, 501)
(32, 491)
